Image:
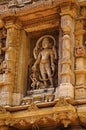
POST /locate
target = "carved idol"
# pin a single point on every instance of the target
(45, 55)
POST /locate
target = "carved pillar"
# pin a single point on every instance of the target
(24, 58)
(80, 56)
(66, 87)
(11, 58)
(16, 57)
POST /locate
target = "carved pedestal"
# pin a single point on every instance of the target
(39, 96)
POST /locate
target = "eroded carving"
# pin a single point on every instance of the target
(33, 107)
(80, 51)
(65, 113)
(35, 80)
(3, 34)
(62, 102)
(82, 118)
(13, 3)
(2, 109)
(44, 67)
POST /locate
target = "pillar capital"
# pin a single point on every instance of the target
(68, 13)
(66, 24)
(69, 7)
(12, 22)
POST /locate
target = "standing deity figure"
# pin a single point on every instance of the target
(45, 62)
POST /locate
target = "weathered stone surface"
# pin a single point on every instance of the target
(54, 95)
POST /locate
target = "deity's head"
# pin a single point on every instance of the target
(45, 43)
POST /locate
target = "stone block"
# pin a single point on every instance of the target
(65, 90)
(80, 92)
(17, 97)
(5, 98)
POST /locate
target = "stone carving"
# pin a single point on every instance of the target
(27, 1)
(65, 113)
(3, 33)
(3, 66)
(82, 118)
(44, 68)
(26, 101)
(20, 123)
(2, 50)
(49, 97)
(62, 118)
(34, 78)
(62, 102)
(80, 51)
(2, 109)
(13, 3)
(33, 107)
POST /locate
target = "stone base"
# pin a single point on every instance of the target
(5, 98)
(17, 99)
(65, 90)
(40, 95)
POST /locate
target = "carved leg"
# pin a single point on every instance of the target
(43, 74)
(48, 71)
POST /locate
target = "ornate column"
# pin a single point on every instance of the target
(11, 59)
(68, 14)
(24, 58)
(80, 56)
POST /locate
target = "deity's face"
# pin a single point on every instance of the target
(45, 43)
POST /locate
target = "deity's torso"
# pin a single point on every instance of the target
(45, 55)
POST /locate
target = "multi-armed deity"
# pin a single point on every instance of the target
(44, 67)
